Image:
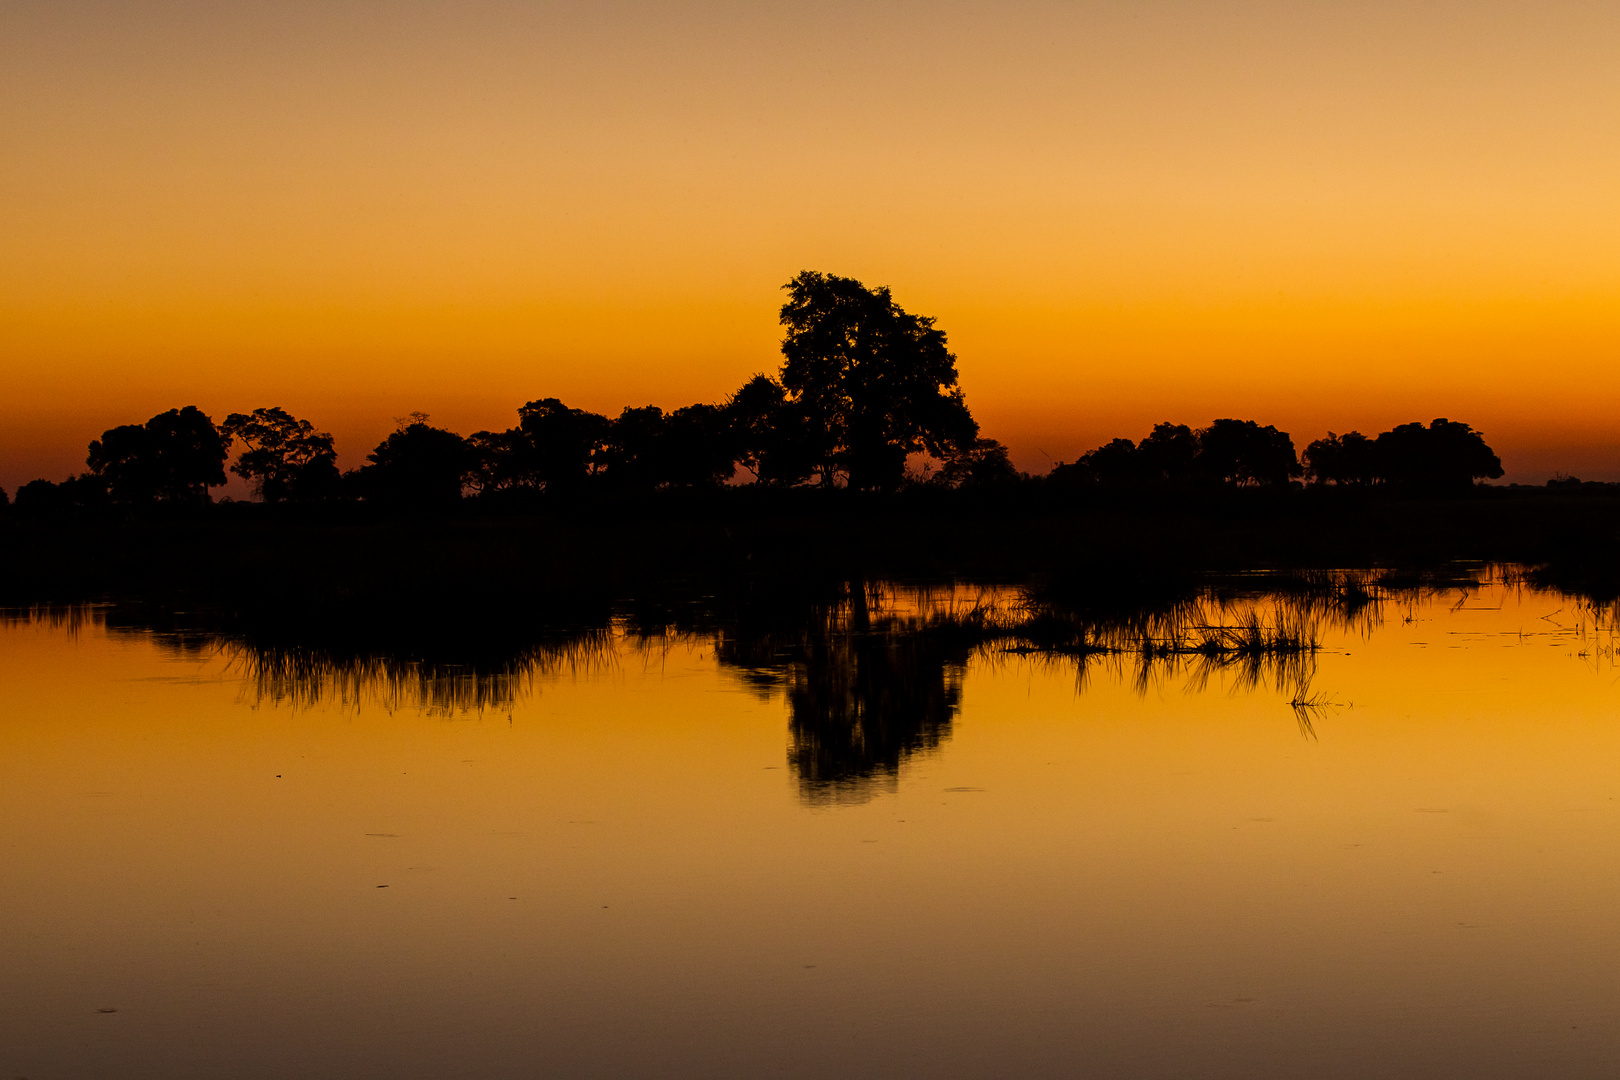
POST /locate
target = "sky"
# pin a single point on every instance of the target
(1324, 216)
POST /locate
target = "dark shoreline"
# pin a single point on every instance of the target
(549, 564)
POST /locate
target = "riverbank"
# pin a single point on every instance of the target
(553, 565)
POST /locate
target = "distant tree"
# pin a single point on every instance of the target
(700, 449)
(633, 453)
(1169, 455)
(1242, 453)
(285, 458)
(559, 447)
(771, 433)
(419, 464)
(44, 497)
(5, 500)
(495, 456)
(985, 464)
(1342, 459)
(876, 383)
(38, 496)
(175, 456)
(1113, 459)
(1446, 455)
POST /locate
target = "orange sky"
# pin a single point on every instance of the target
(1315, 215)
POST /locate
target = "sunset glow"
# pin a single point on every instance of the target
(1316, 216)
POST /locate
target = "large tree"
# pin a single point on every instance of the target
(1447, 454)
(1242, 452)
(875, 383)
(284, 457)
(419, 464)
(176, 456)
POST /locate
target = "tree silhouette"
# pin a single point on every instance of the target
(1242, 453)
(419, 464)
(557, 448)
(1446, 455)
(1113, 464)
(175, 456)
(286, 458)
(875, 382)
(633, 451)
(1342, 459)
(1169, 455)
(985, 464)
(700, 449)
(771, 433)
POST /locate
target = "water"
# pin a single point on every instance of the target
(831, 849)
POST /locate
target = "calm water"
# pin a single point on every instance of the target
(821, 852)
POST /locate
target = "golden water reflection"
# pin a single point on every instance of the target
(890, 841)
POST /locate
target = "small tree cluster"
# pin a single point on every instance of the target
(1445, 455)
(1238, 453)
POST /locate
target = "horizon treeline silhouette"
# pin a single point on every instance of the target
(867, 399)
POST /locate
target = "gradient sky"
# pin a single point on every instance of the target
(1323, 216)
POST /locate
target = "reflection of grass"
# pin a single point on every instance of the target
(304, 677)
(871, 673)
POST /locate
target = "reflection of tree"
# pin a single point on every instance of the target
(870, 675)
(861, 703)
(865, 689)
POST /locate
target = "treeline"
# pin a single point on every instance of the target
(864, 388)
(563, 452)
(1443, 456)
(867, 398)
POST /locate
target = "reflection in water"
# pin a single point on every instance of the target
(1109, 853)
(871, 673)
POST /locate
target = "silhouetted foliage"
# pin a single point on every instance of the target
(1169, 455)
(176, 456)
(42, 497)
(700, 449)
(877, 383)
(554, 448)
(772, 433)
(1445, 455)
(38, 496)
(633, 452)
(1113, 464)
(285, 458)
(984, 464)
(1243, 453)
(419, 464)
(1235, 452)
(1350, 458)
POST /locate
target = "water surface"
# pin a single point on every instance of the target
(845, 847)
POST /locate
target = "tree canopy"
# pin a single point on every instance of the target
(875, 383)
(285, 457)
(176, 456)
